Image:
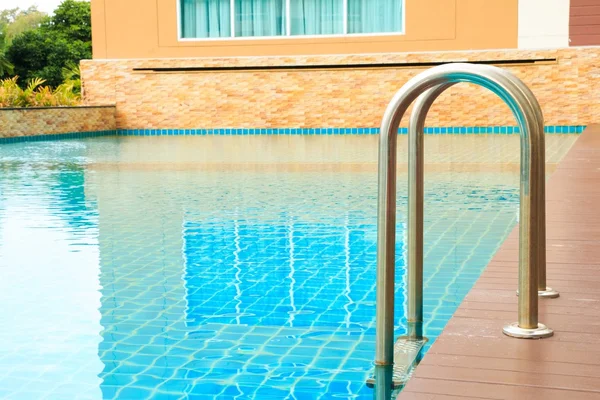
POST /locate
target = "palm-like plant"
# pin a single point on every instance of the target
(6, 68)
(72, 76)
(36, 95)
(66, 95)
(10, 93)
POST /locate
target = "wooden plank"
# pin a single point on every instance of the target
(583, 3)
(584, 40)
(577, 30)
(429, 396)
(537, 378)
(591, 9)
(493, 391)
(502, 364)
(584, 19)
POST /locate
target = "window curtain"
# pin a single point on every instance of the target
(205, 18)
(260, 18)
(374, 16)
(317, 17)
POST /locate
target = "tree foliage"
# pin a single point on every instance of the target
(6, 67)
(18, 21)
(60, 41)
(72, 20)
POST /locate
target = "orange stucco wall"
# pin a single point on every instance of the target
(148, 29)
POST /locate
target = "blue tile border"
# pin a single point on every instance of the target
(448, 130)
(469, 130)
(57, 136)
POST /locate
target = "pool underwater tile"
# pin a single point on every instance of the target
(275, 315)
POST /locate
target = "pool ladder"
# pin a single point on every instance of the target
(395, 359)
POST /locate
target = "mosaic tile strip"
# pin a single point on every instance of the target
(502, 130)
(467, 130)
(58, 136)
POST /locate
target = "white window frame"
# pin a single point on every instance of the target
(288, 23)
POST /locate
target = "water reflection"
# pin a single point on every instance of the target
(49, 289)
(128, 278)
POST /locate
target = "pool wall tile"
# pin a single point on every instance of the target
(429, 130)
(485, 130)
(60, 136)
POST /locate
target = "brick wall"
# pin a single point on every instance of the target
(331, 98)
(17, 122)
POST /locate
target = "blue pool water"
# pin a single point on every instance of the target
(188, 268)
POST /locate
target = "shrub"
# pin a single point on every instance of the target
(36, 95)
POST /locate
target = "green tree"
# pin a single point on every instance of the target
(64, 39)
(72, 19)
(6, 67)
(24, 21)
(39, 54)
(7, 17)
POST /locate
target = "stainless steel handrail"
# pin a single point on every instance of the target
(415, 203)
(543, 290)
(532, 216)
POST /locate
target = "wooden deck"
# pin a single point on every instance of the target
(472, 359)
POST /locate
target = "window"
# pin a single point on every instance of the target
(205, 18)
(317, 17)
(271, 18)
(260, 18)
(374, 16)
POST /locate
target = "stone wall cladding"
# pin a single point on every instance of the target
(59, 120)
(331, 98)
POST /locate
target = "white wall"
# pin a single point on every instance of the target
(543, 24)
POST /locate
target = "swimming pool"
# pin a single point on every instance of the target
(226, 267)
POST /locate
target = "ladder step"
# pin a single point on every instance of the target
(407, 355)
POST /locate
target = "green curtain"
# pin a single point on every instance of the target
(317, 17)
(374, 16)
(205, 18)
(260, 18)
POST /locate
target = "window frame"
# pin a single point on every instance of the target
(288, 23)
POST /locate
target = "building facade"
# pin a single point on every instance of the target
(184, 64)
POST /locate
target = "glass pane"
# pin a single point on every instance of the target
(317, 17)
(374, 16)
(205, 18)
(260, 18)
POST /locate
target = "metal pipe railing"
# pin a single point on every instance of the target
(416, 196)
(415, 209)
(532, 222)
(543, 289)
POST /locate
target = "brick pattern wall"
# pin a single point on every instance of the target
(331, 98)
(59, 120)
